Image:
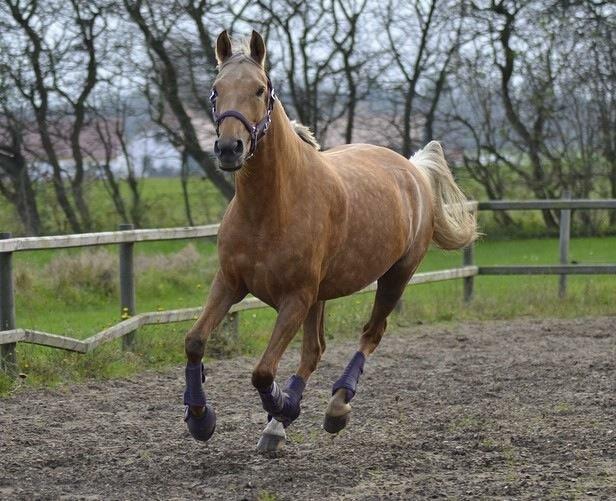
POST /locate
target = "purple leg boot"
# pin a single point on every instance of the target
(200, 427)
(339, 410)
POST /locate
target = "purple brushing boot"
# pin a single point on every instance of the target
(339, 409)
(200, 427)
(283, 407)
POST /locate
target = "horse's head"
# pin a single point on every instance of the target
(242, 101)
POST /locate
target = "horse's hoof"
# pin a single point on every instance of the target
(338, 412)
(201, 427)
(333, 424)
(273, 437)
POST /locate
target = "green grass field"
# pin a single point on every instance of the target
(75, 293)
(163, 206)
(162, 202)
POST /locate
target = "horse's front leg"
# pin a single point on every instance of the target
(199, 414)
(282, 405)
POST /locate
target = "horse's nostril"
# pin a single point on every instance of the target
(228, 149)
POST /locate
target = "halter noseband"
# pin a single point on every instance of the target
(256, 131)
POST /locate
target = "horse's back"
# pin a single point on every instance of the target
(368, 171)
(345, 155)
(382, 165)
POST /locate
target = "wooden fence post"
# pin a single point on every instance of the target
(564, 237)
(8, 356)
(468, 259)
(127, 285)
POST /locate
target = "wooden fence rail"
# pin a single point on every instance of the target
(554, 204)
(126, 237)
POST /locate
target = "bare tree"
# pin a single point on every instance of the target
(451, 24)
(355, 62)
(527, 122)
(474, 105)
(156, 20)
(111, 131)
(422, 38)
(301, 32)
(56, 49)
(16, 183)
(602, 82)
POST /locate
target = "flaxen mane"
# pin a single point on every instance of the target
(305, 134)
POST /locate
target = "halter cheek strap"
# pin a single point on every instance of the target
(256, 130)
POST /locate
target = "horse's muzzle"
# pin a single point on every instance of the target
(230, 153)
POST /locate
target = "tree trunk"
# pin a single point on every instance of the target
(64, 202)
(407, 144)
(81, 205)
(13, 165)
(540, 187)
(27, 206)
(348, 135)
(612, 176)
(136, 211)
(184, 180)
(23, 198)
(114, 192)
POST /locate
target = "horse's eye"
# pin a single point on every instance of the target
(260, 91)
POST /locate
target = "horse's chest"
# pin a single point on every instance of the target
(268, 270)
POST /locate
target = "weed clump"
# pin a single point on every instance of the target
(92, 271)
(184, 260)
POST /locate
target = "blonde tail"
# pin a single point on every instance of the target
(454, 222)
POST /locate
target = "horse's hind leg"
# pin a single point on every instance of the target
(313, 346)
(313, 342)
(389, 290)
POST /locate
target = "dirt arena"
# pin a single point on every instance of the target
(515, 409)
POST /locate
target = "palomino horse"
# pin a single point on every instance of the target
(306, 226)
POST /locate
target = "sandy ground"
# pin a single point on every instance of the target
(517, 410)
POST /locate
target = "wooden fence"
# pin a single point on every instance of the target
(126, 237)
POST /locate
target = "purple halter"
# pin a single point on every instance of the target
(256, 131)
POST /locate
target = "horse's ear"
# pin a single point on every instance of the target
(223, 47)
(257, 48)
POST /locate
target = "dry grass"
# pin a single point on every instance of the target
(185, 260)
(92, 270)
(70, 275)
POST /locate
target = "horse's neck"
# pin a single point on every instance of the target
(267, 183)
